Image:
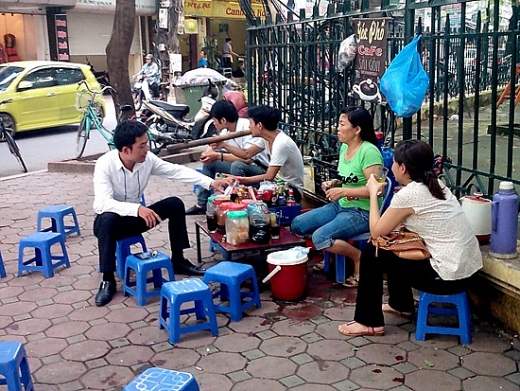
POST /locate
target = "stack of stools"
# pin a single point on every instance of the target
(57, 214)
(157, 379)
(3, 274)
(14, 367)
(141, 268)
(176, 293)
(123, 251)
(460, 300)
(43, 259)
(231, 275)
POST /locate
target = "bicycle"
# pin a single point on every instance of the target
(92, 117)
(7, 137)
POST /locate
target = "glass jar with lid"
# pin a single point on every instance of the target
(222, 211)
(237, 227)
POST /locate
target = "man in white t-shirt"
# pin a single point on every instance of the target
(226, 120)
(285, 159)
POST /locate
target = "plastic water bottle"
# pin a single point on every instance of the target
(380, 139)
(211, 215)
(504, 222)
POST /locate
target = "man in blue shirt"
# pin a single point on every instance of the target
(150, 72)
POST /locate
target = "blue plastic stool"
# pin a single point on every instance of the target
(3, 274)
(42, 243)
(340, 265)
(141, 267)
(460, 300)
(173, 295)
(123, 251)
(57, 215)
(215, 246)
(231, 275)
(157, 379)
(13, 363)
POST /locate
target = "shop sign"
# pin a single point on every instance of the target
(220, 9)
(62, 37)
(371, 35)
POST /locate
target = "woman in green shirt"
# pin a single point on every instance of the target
(346, 216)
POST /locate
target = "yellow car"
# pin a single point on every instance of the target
(42, 94)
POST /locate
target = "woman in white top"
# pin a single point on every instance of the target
(426, 206)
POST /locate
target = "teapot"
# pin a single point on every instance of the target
(478, 212)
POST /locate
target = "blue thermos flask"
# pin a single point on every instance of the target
(504, 222)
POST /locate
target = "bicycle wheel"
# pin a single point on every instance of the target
(82, 136)
(15, 150)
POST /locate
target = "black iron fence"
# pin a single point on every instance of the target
(470, 55)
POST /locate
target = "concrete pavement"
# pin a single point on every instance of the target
(74, 345)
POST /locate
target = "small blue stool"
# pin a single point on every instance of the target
(42, 243)
(158, 379)
(13, 362)
(173, 295)
(460, 300)
(141, 267)
(340, 265)
(197, 187)
(57, 215)
(231, 275)
(123, 251)
(3, 274)
(215, 246)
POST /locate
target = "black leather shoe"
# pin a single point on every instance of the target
(188, 268)
(106, 291)
(195, 210)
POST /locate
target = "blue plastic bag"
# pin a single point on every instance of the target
(405, 82)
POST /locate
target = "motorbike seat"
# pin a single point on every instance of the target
(177, 110)
(125, 108)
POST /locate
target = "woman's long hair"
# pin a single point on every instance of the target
(359, 116)
(417, 156)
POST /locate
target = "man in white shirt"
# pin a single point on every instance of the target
(120, 177)
(226, 120)
(286, 159)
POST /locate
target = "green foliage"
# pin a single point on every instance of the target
(212, 52)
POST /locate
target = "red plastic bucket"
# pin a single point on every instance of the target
(287, 274)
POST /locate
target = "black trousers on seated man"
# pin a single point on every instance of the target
(110, 227)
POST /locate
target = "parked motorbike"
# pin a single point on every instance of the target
(168, 122)
(101, 76)
(140, 91)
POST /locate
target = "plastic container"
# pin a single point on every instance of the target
(259, 223)
(504, 222)
(287, 274)
(237, 227)
(193, 94)
(478, 212)
(222, 211)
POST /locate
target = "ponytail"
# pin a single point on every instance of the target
(432, 182)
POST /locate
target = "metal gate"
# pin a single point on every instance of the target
(469, 50)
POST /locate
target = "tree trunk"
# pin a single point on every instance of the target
(118, 51)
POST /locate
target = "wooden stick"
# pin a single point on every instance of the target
(205, 141)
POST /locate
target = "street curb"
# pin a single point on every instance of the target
(86, 164)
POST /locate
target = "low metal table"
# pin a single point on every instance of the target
(287, 240)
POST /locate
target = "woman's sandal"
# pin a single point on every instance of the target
(351, 282)
(389, 310)
(367, 332)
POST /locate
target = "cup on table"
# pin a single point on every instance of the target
(275, 225)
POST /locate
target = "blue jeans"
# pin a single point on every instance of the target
(234, 168)
(329, 223)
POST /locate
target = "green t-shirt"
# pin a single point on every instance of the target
(351, 171)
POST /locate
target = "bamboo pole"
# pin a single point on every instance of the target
(205, 141)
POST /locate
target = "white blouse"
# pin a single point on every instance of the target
(455, 252)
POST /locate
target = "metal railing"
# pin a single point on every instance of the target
(292, 65)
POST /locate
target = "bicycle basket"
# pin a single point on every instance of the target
(83, 100)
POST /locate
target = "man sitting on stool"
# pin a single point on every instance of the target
(226, 120)
(120, 177)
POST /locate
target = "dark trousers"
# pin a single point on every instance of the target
(402, 275)
(110, 227)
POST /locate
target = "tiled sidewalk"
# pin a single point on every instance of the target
(74, 345)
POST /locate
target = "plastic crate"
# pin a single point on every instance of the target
(287, 213)
(325, 169)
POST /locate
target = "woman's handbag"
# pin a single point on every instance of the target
(405, 244)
